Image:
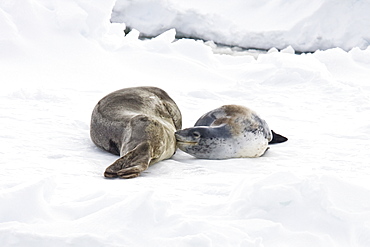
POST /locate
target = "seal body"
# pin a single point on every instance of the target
(231, 131)
(138, 124)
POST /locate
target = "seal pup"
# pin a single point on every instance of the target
(231, 131)
(138, 124)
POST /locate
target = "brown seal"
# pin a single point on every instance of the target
(138, 124)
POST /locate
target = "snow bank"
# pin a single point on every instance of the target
(304, 25)
(59, 58)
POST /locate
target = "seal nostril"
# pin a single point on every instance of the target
(196, 134)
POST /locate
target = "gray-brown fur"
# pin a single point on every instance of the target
(138, 124)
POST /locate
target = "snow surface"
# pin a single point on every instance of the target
(58, 58)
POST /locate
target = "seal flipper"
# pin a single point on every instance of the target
(131, 164)
(276, 138)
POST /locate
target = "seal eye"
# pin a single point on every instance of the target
(196, 134)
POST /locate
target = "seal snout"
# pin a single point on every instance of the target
(187, 136)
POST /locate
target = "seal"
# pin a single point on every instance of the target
(231, 131)
(138, 124)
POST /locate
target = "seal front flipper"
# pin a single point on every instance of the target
(276, 138)
(131, 164)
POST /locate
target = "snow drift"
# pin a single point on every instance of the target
(304, 25)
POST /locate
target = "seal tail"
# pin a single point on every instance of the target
(276, 138)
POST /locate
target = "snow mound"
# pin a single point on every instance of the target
(305, 25)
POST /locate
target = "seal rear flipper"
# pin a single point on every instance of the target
(131, 164)
(276, 138)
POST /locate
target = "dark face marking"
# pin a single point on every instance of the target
(206, 120)
(198, 133)
(202, 142)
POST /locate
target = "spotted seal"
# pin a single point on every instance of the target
(231, 131)
(138, 124)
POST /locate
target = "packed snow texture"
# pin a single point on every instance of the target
(306, 25)
(58, 58)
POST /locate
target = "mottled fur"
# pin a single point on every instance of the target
(230, 131)
(139, 125)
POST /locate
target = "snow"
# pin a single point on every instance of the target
(58, 58)
(306, 25)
